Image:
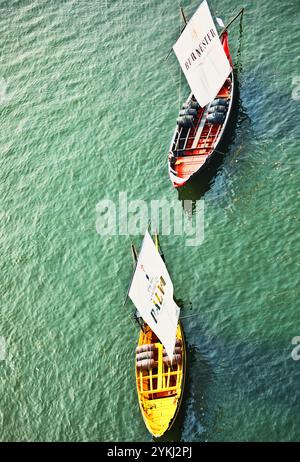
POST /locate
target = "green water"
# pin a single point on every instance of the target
(87, 109)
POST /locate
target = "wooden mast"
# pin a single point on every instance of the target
(183, 16)
(232, 20)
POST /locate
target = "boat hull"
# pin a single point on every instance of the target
(205, 156)
(160, 392)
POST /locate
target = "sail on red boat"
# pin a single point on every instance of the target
(205, 59)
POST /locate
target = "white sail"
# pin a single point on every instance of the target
(151, 291)
(201, 56)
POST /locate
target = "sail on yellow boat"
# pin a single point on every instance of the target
(160, 361)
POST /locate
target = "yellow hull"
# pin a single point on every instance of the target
(160, 388)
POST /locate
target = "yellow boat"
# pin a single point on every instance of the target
(160, 388)
(159, 379)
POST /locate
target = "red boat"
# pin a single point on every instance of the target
(199, 130)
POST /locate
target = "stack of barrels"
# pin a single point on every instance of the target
(146, 356)
(217, 111)
(188, 113)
